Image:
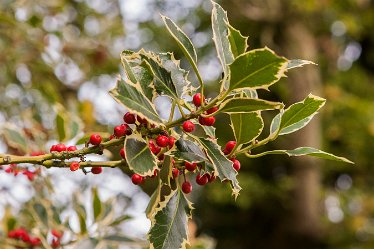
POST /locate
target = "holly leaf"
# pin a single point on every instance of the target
(257, 69)
(188, 151)
(298, 115)
(306, 151)
(138, 155)
(169, 229)
(130, 95)
(238, 42)
(244, 105)
(222, 164)
(298, 63)
(220, 37)
(153, 202)
(15, 137)
(246, 126)
(127, 67)
(96, 204)
(68, 125)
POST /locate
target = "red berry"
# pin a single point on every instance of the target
(96, 170)
(72, 148)
(186, 187)
(201, 120)
(188, 126)
(95, 139)
(190, 166)
(209, 121)
(197, 99)
(153, 147)
(122, 153)
(53, 148)
(236, 164)
(162, 141)
(230, 146)
(171, 141)
(37, 153)
(202, 180)
(56, 233)
(141, 120)
(29, 174)
(60, 147)
(55, 243)
(35, 241)
(129, 118)
(120, 130)
(137, 179)
(212, 110)
(74, 166)
(175, 173)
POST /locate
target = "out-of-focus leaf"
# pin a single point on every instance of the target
(15, 137)
(96, 203)
(42, 213)
(119, 220)
(89, 243)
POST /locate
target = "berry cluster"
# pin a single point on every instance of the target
(13, 169)
(22, 235)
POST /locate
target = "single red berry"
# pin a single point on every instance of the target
(153, 147)
(56, 233)
(122, 153)
(72, 148)
(141, 120)
(53, 148)
(190, 166)
(212, 110)
(162, 141)
(175, 173)
(196, 99)
(35, 241)
(96, 170)
(60, 147)
(120, 130)
(236, 164)
(209, 121)
(186, 187)
(201, 180)
(137, 179)
(95, 139)
(129, 118)
(74, 166)
(188, 126)
(201, 120)
(230, 146)
(171, 142)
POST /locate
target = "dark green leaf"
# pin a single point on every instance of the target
(299, 114)
(169, 229)
(257, 69)
(150, 211)
(244, 105)
(138, 156)
(204, 131)
(222, 164)
(135, 101)
(246, 126)
(189, 151)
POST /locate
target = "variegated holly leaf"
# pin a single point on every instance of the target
(221, 163)
(126, 56)
(220, 37)
(169, 227)
(298, 63)
(238, 42)
(244, 105)
(246, 126)
(297, 116)
(138, 155)
(131, 96)
(257, 69)
(204, 131)
(188, 151)
(155, 199)
(306, 151)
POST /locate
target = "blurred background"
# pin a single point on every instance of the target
(58, 59)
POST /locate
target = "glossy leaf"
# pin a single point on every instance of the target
(169, 229)
(145, 79)
(306, 151)
(188, 151)
(135, 101)
(246, 126)
(238, 42)
(222, 164)
(299, 114)
(257, 69)
(127, 67)
(220, 37)
(244, 105)
(204, 131)
(138, 156)
(153, 202)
